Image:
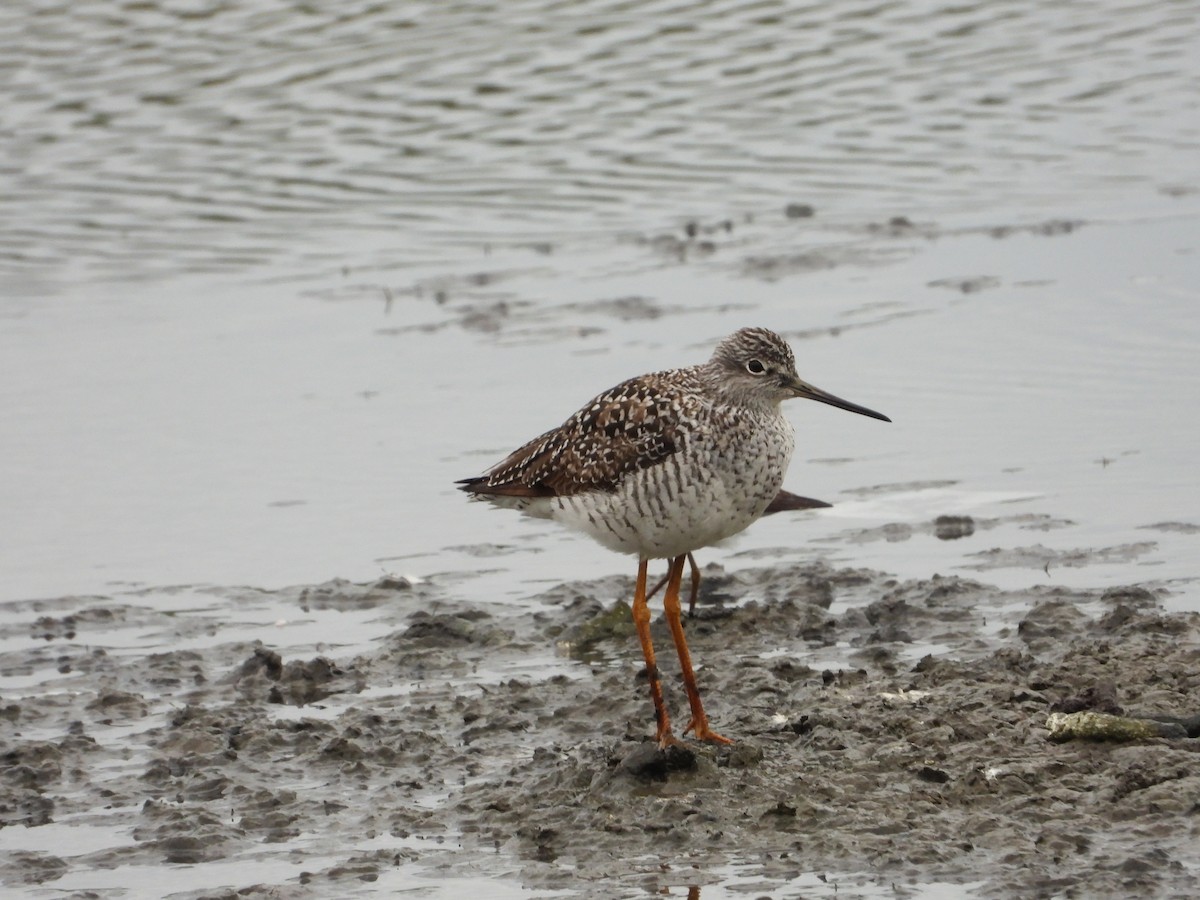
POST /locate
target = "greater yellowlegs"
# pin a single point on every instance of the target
(662, 465)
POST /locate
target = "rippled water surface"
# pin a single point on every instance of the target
(167, 138)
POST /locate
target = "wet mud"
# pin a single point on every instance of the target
(887, 734)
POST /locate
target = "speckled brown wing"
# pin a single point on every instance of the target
(633, 426)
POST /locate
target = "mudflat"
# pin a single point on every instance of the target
(886, 734)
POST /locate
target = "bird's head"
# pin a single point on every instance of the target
(757, 366)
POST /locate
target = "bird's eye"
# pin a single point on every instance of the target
(754, 367)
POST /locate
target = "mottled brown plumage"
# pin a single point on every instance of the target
(627, 428)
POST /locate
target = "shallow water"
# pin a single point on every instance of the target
(163, 138)
(272, 278)
(258, 439)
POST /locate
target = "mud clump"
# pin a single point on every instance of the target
(297, 682)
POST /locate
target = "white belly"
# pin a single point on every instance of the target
(683, 504)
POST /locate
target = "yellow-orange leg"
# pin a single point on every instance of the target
(671, 609)
(641, 621)
(695, 585)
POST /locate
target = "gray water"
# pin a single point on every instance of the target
(169, 139)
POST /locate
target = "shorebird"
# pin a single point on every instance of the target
(662, 465)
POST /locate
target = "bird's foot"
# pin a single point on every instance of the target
(666, 740)
(701, 732)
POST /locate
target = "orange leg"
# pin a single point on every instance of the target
(695, 585)
(641, 620)
(671, 609)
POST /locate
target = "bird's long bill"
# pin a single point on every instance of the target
(804, 389)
